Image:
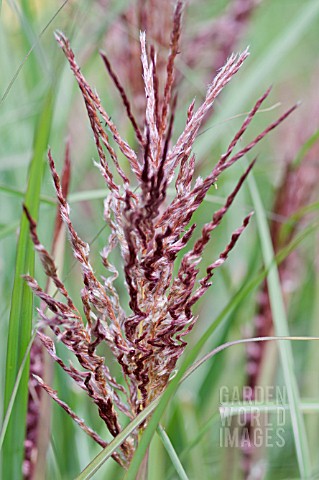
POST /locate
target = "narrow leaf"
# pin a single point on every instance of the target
(20, 322)
(172, 453)
(281, 329)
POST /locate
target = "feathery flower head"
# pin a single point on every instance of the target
(150, 232)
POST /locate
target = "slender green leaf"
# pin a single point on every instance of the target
(20, 322)
(14, 392)
(281, 329)
(171, 452)
(106, 453)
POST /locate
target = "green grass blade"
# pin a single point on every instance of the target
(98, 461)
(172, 453)
(281, 329)
(14, 392)
(20, 322)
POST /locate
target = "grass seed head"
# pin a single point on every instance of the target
(150, 231)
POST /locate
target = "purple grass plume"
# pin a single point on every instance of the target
(152, 234)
